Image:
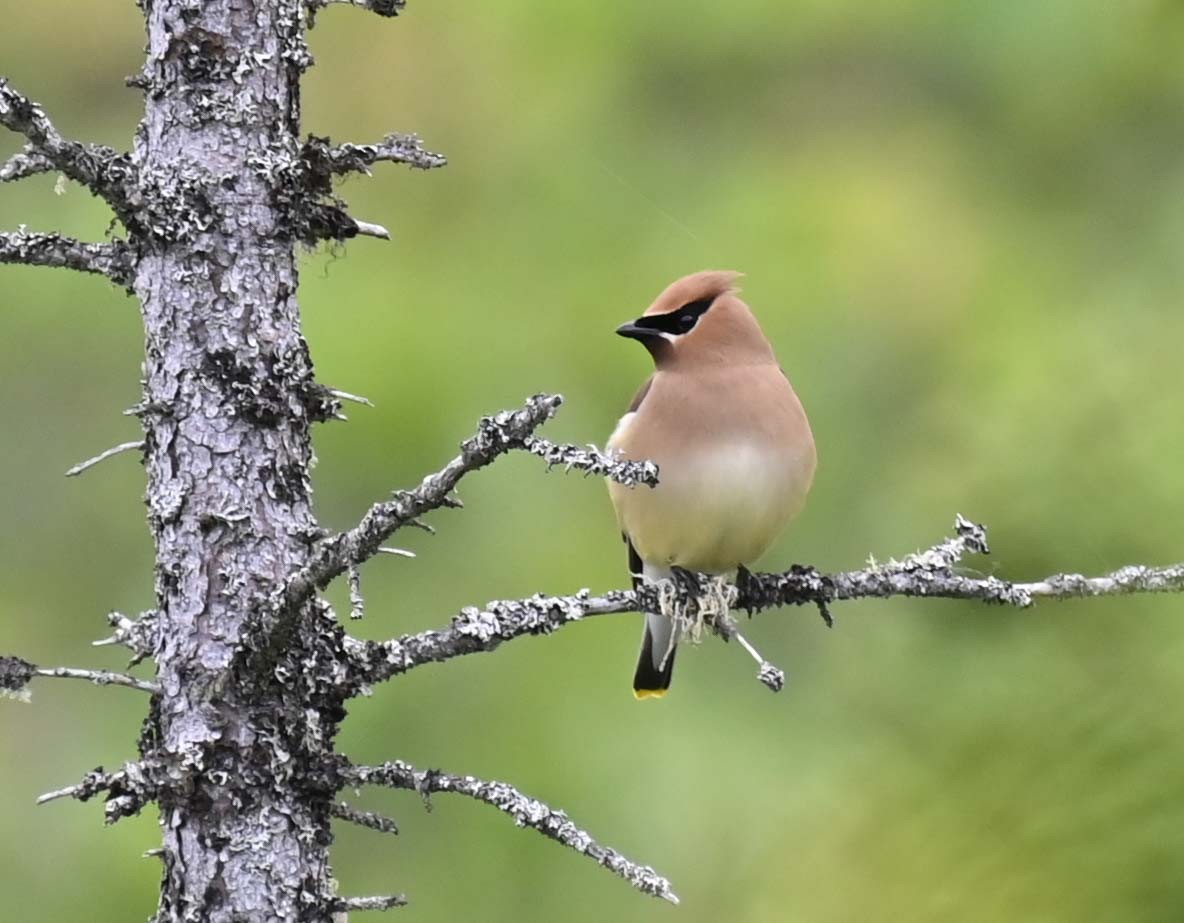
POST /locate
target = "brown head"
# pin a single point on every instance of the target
(700, 320)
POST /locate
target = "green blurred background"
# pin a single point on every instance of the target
(962, 226)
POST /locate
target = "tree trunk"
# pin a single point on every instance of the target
(228, 402)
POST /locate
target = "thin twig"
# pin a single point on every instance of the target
(357, 602)
(401, 552)
(769, 674)
(128, 789)
(925, 574)
(103, 456)
(99, 678)
(358, 158)
(368, 819)
(346, 396)
(380, 902)
(525, 811)
(114, 260)
(366, 229)
(16, 673)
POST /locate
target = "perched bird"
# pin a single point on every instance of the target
(733, 447)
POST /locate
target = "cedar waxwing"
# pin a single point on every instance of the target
(734, 450)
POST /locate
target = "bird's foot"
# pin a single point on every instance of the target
(686, 581)
(744, 582)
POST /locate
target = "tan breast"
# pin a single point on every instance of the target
(731, 475)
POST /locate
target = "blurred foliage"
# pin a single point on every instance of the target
(962, 228)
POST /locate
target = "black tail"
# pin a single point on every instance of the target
(648, 680)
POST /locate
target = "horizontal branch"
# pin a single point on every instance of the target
(925, 574)
(115, 261)
(525, 811)
(99, 678)
(104, 172)
(323, 157)
(25, 163)
(16, 673)
(380, 902)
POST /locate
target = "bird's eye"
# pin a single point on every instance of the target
(686, 322)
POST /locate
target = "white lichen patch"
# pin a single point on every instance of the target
(714, 602)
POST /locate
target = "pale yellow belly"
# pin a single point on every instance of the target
(716, 510)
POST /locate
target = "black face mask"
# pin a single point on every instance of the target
(675, 323)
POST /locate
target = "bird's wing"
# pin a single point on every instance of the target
(635, 564)
(636, 568)
(640, 395)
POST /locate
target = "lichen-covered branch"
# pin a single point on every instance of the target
(139, 636)
(495, 436)
(525, 811)
(592, 461)
(25, 163)
(381, 7)
(345, 905)
(102, 170)
(323, 157)
(128, 789)
(368, 819)
(928, 573)
(115, 260)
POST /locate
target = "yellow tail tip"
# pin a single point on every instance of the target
(640, 694)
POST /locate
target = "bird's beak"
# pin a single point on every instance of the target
(634, 331)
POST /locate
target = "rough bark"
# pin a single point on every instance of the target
(228, 401)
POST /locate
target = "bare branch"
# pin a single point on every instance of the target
(16, 673)
(768, 674)
(383, 902)
(924, 574)
(366, 229)
(369, 819)
(358, 158)
(495, 436)
(346, 396)
(115, 260)
(99, 678)
(525, 811)
(104, 172)
(103, 456)
(25, 163)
